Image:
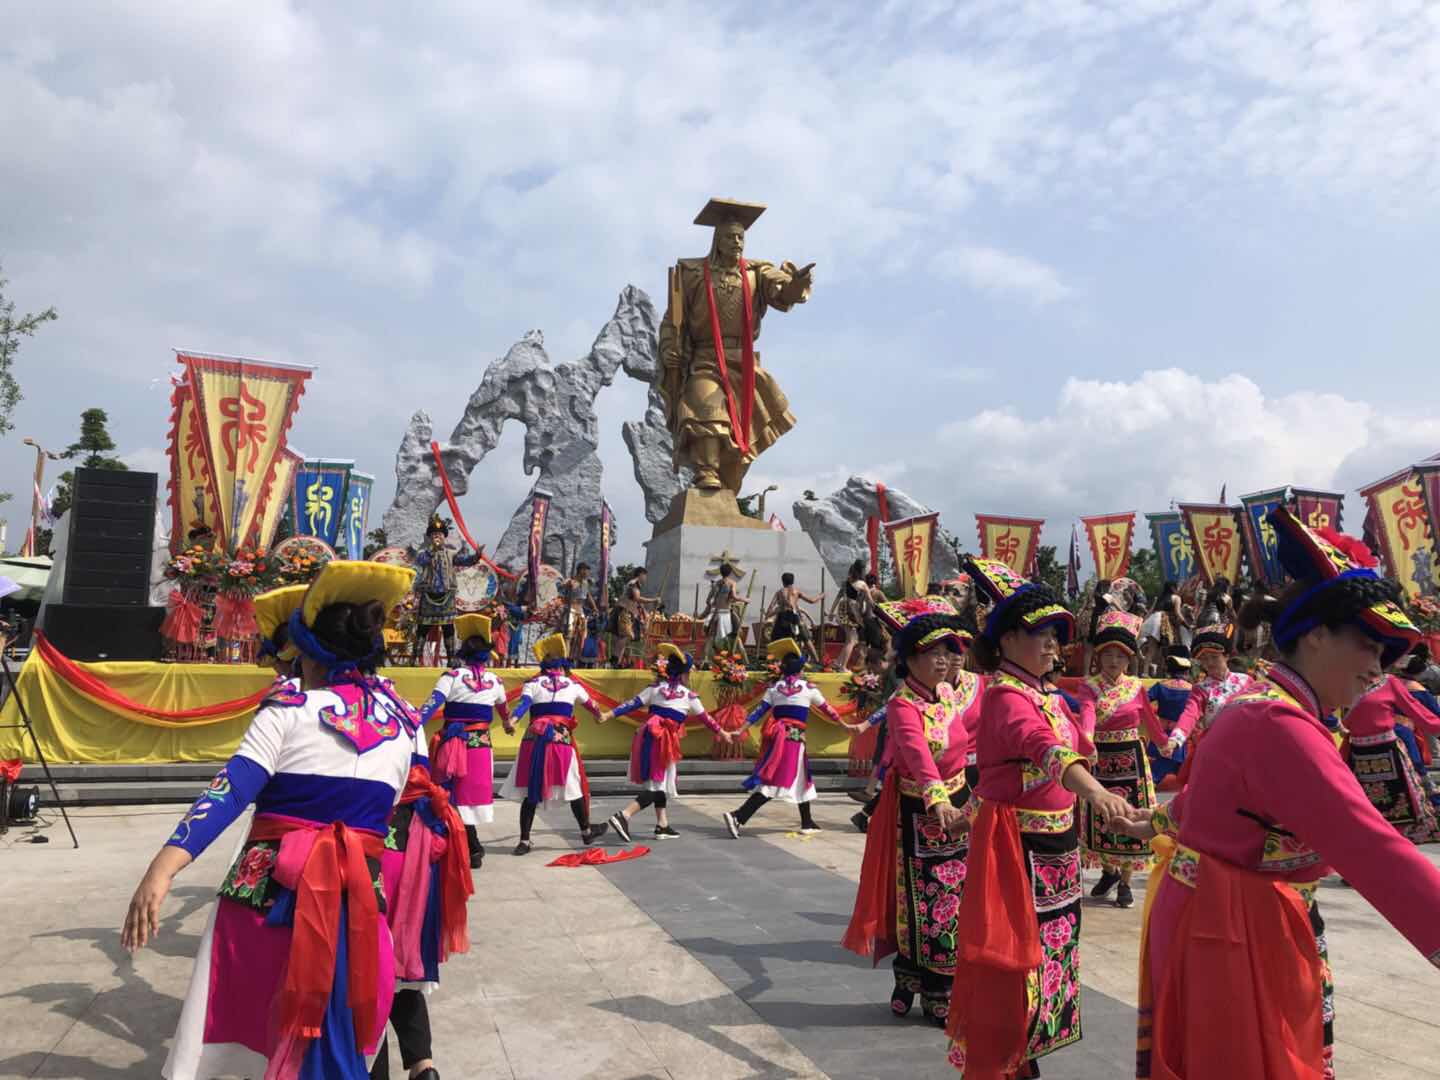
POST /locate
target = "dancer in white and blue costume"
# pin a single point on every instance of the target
(278, 986)
(655, 750)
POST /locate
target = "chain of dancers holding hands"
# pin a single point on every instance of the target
(995, 786)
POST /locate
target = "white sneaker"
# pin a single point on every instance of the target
(621, 826)
(809, 830)
(731, 824)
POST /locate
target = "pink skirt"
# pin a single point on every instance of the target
(477, 786)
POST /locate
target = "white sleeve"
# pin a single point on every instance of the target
(444, 685)
(696, 705)
(266, 735)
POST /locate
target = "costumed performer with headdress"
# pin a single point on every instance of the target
(1269, 809)
(1210, 648)
(548, 767)
(295, 971)
(1175, 702)
(1016, 995)
(913, 873)
(436, 587)
(783, 768)
(655, 749)
(1382, 762)
(1125, 721)
(272, 616)
(468, 697)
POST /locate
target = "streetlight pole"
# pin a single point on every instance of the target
(40, 455)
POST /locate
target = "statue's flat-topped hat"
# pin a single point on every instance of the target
(718, 211)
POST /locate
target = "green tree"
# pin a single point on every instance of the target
(1145, 570)
(375, 540)
(91, 448)
(1049, 569)
(12, 329)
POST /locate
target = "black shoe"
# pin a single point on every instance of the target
(901, 1000)
(590, 835)
(860, 821)
(428, 1074)
(621, 826)
(477, 859)
(1124, 897)
(664, 832)
(936, 1010)
(523, 847)
(732, 823)
(1108, 880)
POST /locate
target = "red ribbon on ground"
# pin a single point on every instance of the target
(460, 518)
(599, 856)
(739, 423)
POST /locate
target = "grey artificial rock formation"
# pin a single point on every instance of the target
(652, 451)
(556, 403)
(836, 523)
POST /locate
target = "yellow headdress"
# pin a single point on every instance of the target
(273, 610)
(549, 648)
(468, 626)
(355, 581)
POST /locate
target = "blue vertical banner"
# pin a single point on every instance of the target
(317, 503)
(1172, 545)
(1260, 544)
(356, 523)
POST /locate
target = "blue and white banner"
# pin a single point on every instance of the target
(356, 524)
(1172, 545)
(318, 501)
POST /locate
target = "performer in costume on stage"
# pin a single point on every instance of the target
(655, 750)
(1016, 995)
(1124, 720)
(723, 609)
(1174, 701)
(852, 608)
(469, 697)
(785, 609)
(783, 769)
(295, 972)
(548, 767)
(427, 887)
(272, 616)
(435, 586)
(630, 622)
(913, 873)
(1381, 762)
(575, 592)
(1270, 803)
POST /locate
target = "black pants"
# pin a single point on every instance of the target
(410, 1018)
(527, 816)
(756, 800)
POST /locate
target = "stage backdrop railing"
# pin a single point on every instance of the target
(126, 712)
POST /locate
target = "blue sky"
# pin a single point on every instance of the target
(1075, 256)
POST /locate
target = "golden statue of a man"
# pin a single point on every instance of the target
(724, 410)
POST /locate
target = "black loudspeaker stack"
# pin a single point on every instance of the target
(106, 614)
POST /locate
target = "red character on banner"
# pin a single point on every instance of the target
(1007, 548)
(1409, 511)
(914, 549)
(244, 428)
(1110, 545)
(1217, 540)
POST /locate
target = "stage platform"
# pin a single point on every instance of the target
(126, 712)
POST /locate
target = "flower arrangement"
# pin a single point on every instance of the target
(301, 559)
(730, 667)
(249, 572)
(862, 687)
(1425, 612)
(196, 563)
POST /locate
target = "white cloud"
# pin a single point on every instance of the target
(990, 270)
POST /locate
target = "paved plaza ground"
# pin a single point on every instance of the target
(710, 959)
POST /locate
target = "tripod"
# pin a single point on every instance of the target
(14, 690)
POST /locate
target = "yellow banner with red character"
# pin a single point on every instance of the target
(911, 542)
(278, 497)
(1215, 534)
(245, 408)
(1013, 541)
(1110, 536)
(192, 492)
(1397, 508)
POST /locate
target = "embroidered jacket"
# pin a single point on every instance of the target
(929, 736)
(1024, 742)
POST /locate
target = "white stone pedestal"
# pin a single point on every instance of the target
(678, 558)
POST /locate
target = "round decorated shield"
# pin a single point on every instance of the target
(392, 556)
(474, 585)
(547, 587)
(303, 545)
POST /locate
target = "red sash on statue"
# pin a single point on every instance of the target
(739, 422)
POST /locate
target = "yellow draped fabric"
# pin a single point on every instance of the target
(73, 727)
